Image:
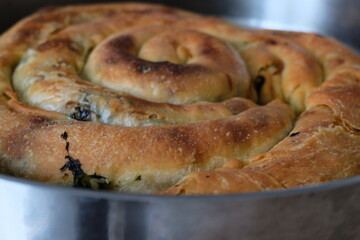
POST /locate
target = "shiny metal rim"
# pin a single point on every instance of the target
(149, 198)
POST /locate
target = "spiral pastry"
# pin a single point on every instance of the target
(147, 97)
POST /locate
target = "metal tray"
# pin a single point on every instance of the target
(36, 211)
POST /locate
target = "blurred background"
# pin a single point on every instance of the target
(337, 18)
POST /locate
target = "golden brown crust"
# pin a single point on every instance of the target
(317, 156)
(290, 73)
(32, 146)
(137, 65)
(312, 153)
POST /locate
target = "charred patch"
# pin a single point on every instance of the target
(61, 43)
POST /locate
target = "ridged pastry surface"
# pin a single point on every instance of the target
(157, 99)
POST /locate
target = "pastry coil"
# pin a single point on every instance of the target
(150, 95)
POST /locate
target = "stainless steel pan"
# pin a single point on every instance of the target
(36, 211)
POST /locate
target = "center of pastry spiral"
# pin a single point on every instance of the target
(164, 64)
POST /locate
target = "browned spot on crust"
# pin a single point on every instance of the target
(238, 133)
(166, 68)
(279, 66)
(175, 69)
(337, 62)
(229, 81)
(208, 50)
(182, 138)
(15, 144)
(36, 121)
(171, 68)
(120, 43)
(61, 43)
(71, 103)
(122, 50)
(119, 49)
(237, 107)
(242, 132)
(61, 75)
(110, 13)
(29, 31)
(271, 42)
(16, 141)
